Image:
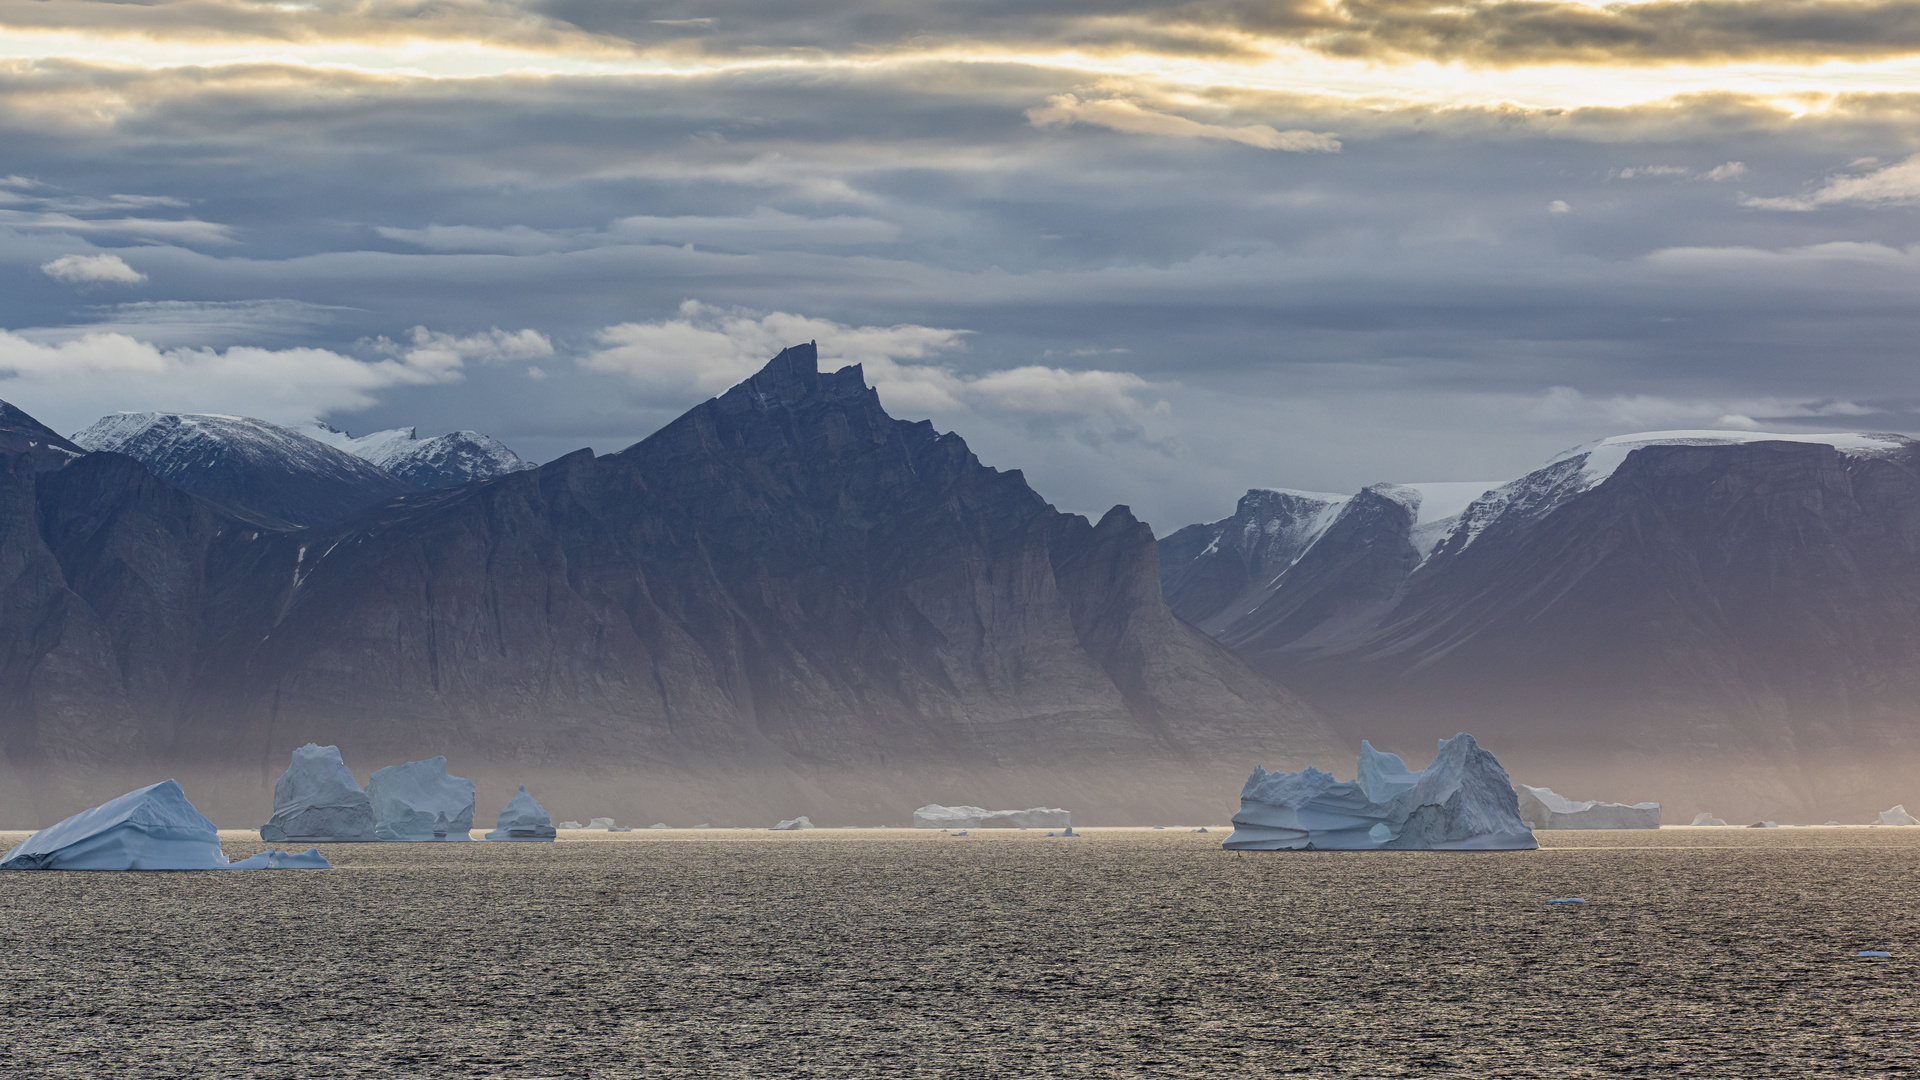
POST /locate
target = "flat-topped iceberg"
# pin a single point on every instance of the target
(1897, 816)
(316, 799)
(149, 828)
(1463, 801)
(935, 816)
(524, 819)
(419, 801)
(1541, 808)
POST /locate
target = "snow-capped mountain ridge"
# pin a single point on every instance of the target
(246, 462)
(450, 460)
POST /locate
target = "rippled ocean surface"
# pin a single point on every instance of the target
(1123, 953)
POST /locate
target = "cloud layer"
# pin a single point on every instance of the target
(1150, 253)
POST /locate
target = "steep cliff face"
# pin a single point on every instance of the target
(1713, 619)
(785, 598)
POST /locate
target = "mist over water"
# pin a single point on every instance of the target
(912, 953)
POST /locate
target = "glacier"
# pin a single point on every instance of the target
(523, 820)
(1462, 801)
(316, 799)
(149, 828)
(418, 801)
(1897, 816)
(935, 816)
(1542, 808)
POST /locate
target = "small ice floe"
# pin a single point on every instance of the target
(1159, 826)
(607, 824)
(962, 832)
(1833, 823)
(570, 825)
(1068, 831)
(1569, 900)
(1764, 825)
(1872, 952)
(703, 825)
(1200, 830)
(659, 825)
(793, 824)
(310, 859)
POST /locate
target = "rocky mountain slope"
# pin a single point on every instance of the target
(1716, 620)
(444, 461)
(249, 463)
(784, 602)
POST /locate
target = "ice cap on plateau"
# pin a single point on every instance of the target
(1898, 816)
(317, 799)
(1462, 801)
(524, 819)
(935, 816)
(1704, 818)
(149, 828)
(793, 824)
(1541, 808)
(419, 801)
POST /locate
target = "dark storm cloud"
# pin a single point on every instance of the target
(1496, 33)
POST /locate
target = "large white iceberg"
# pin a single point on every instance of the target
(150, 828)
(419, 801)
(1898, 816)
(524, 819)
(316, 799)
(1463, 801)
(1541, 808)
(935, 816)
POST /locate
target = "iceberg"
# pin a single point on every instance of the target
(149, 828)
(601, 823)
(1463, 801)
(935, 816)
(1764, 825)
(1704, 818)
(793, 825)
(419, 801)
(523, 820)
(659, 825)
(571, 825)
(316, 799)
(1541, 808)
(1898, 816)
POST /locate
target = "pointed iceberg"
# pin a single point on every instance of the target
(150, 828)
(418, 801)
(317, 801)
(1463, 801)
(1897, 816)
(524, 820)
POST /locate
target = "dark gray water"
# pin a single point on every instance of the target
(1711, 953)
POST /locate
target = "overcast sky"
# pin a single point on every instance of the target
(1148, 253)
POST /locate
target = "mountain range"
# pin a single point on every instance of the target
(785, 601)
(1714, 620)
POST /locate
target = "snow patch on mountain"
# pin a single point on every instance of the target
(449, 460)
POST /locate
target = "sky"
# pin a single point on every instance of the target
(1151, 254)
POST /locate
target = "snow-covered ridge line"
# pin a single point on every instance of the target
(1604, 456)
